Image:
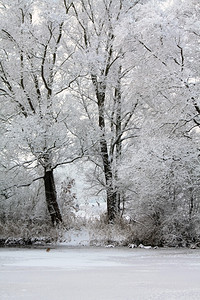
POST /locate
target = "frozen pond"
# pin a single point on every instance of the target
(99, 274)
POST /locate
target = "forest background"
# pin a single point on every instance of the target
(100, 106)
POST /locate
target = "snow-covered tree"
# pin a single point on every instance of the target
(35, 75)
(163, 181)
(108, 107)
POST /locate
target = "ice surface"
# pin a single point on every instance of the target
(99, 273)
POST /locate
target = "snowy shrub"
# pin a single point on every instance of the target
(102, 233)
(29, 233)
(180, 230)
(164, 223)
(67, 201)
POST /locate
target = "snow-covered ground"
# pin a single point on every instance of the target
(66, 273)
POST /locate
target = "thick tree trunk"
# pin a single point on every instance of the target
(118, 135)
(51, 197)
(112, 206)
(110, 192)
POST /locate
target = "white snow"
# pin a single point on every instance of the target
(76, 238)
(99, 273)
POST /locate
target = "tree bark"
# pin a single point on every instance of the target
(112, 207)
(118, 135)
(51, 197)
(110, 192)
